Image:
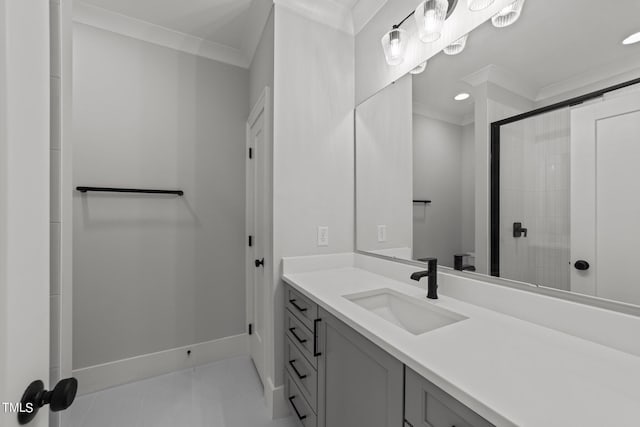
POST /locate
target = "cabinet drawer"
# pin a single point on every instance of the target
(303, 373)
(302, 307)
(302, 337)
(299, 406)
(428, 406)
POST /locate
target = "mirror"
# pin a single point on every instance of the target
(515, 158)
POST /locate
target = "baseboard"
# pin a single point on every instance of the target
(100, 377)
(275, 400)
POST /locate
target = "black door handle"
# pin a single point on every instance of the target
(581, 265)
(518, 230)
(35, 397)
(259, 262)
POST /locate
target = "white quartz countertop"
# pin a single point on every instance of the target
(510, 371)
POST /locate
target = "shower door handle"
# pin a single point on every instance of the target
(518, 230)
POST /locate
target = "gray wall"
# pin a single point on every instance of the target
(313, 146)
(384, 168)
(154, 273)
(437, 167)
(261, 69)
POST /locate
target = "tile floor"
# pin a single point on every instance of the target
(222, 394)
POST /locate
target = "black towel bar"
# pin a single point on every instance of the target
(129, 190)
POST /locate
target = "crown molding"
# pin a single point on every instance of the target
(364, 11)
(98, 17)
(424, 111)
(608, 75)
(325, 12)
(503, 78)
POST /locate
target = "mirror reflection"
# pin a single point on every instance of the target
(514, 154)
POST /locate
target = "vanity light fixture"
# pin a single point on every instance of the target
(633, 38)
(508, 15)
(462, 96)
(476, 5)
(430, 16)
(457, 46)
(419, 69)
(394, 44)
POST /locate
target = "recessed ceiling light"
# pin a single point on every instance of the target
(461, 96)
(633, 38)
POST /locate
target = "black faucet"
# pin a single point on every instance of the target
(432, 274)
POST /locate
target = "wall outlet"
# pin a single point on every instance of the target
(323, 235)
(382, 233)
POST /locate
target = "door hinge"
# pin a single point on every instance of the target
(251, 153)
(250, 328)
(250, 241)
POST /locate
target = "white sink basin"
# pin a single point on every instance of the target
(411, 314)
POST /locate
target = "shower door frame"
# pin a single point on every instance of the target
(494, 174)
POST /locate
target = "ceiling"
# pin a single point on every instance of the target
(553, 42)
(236, 24)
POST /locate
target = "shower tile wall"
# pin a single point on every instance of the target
(55, 216)
(534, 190)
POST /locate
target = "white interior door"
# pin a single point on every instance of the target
(258, 191)
(24, 204)
(605, 177)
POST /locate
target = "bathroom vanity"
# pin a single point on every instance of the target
(364, 347)
(337, 377)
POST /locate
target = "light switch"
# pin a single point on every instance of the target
(382, 233)
(323, 235)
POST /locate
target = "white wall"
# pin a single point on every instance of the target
(437, 176)
(372, 71)
(468, 189)
(313, 147)
(24, 200)
(261, 69)
(383, 168)
(153, 272)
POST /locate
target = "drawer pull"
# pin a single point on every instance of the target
(300, 376)
(316, 353)
(300, 340)
(300, 309)
(300, 416)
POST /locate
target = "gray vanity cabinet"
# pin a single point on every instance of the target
(428, 406)
(335, 377)
(360, 385)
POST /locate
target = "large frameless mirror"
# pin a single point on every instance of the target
(513, 153)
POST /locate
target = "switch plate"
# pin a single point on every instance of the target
(323, 235)
(382, 233)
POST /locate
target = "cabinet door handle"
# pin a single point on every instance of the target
(300, 309)
(316, 353)
(301, 376)
(300, 340)
(300, 416)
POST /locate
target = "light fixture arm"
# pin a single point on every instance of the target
(452, 7)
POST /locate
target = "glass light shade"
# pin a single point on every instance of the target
(476, 5)
(508, 15)
(430, 16)
(419, 69)
(394, 44)
(457, 46)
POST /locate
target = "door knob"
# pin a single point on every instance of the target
(581, 265)
(35, 397)
(259, 263)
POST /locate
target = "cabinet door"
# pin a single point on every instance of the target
(428, 406)
(360, 385)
